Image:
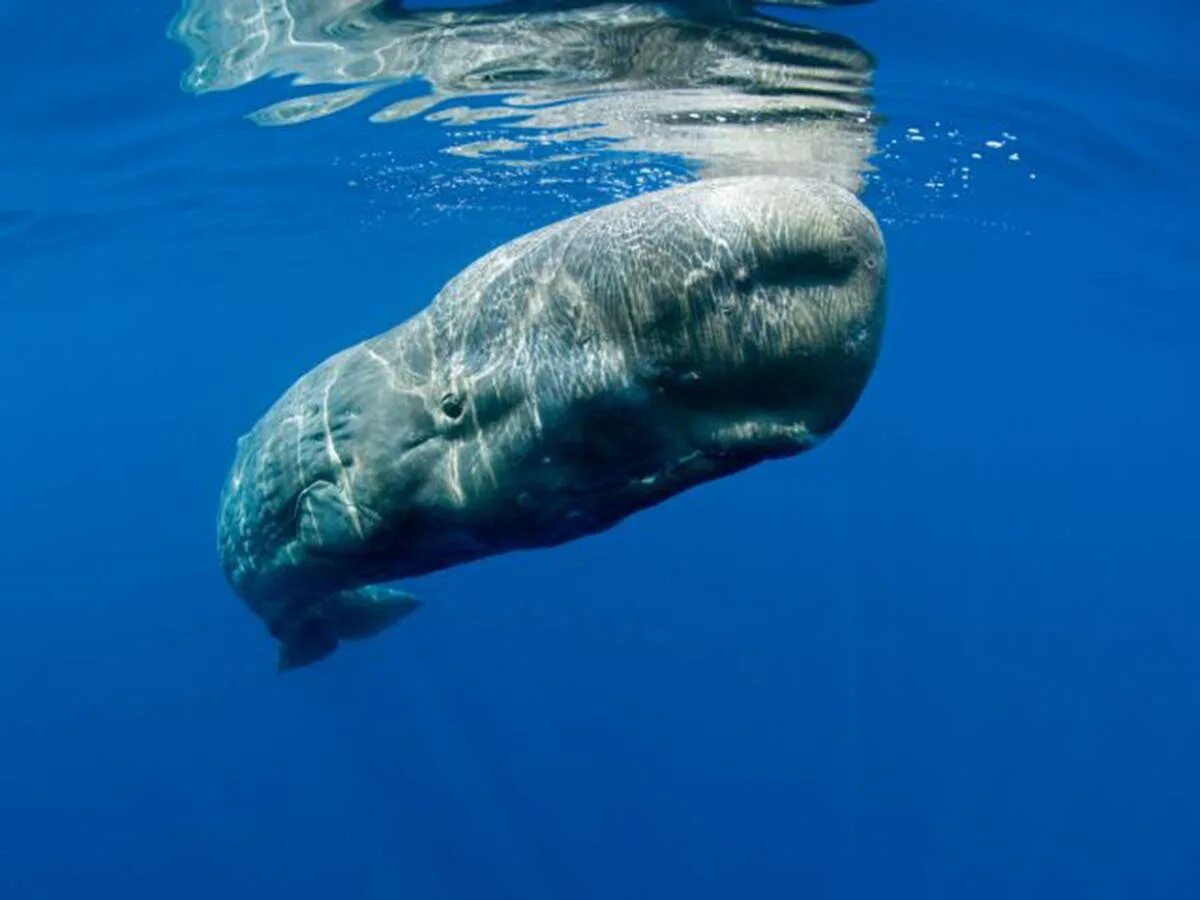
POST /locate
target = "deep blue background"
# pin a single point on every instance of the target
(953, 653)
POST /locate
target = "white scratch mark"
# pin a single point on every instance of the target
(336, 461)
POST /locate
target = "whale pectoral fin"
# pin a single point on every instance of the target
(348, 615)
(310, 641)
(366, 611)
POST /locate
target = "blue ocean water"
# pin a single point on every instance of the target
(955, 652)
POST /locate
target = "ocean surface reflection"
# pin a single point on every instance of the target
(726, 89)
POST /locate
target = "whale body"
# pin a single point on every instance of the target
(569, 378)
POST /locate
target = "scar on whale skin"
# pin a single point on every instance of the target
(567, 379)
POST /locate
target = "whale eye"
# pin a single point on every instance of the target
(452, 406)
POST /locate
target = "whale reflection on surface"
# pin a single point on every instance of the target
(727, 90)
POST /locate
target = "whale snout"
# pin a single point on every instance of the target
(771, 304)
(796, 234)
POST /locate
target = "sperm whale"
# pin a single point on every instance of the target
(562, 382)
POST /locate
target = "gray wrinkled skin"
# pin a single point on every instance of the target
(562, 382)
